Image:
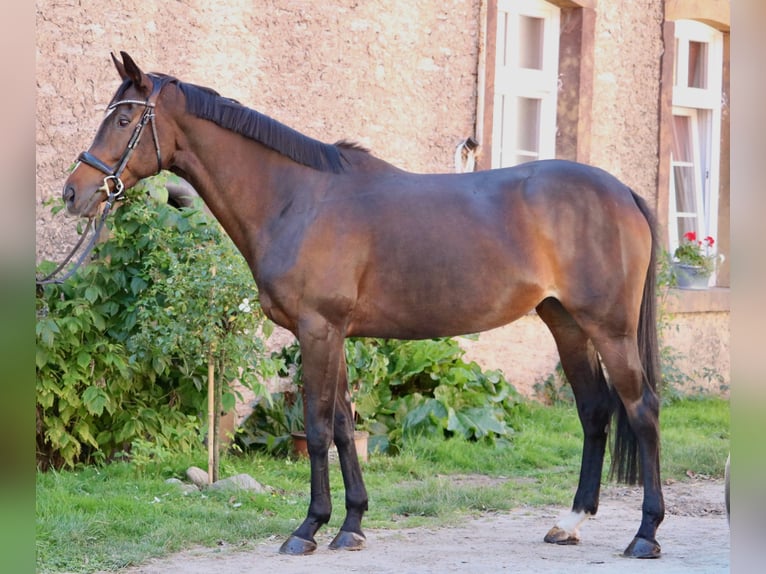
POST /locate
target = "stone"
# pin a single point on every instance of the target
(197, 476)
(239, 482)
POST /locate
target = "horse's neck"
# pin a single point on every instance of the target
(243, 183)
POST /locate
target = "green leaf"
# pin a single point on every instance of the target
(92, 293)
(158, 364)
(46, 330)
(45, 399)
(425, 417)
(98, 321)
(41, 357)
(127, 431)
(137, 284)
(82, 430)
(459, 424)
(95, 399)
(104, 437)
(477, 423)
(83, 359)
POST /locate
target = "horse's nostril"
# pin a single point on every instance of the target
(68, 194)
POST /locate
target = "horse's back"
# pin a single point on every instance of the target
(395, 254)
(450, 254)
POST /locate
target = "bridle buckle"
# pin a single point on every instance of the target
(117, 193)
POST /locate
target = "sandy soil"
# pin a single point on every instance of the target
(694, 538)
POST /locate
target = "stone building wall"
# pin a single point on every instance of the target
(625, 130)
(398, 76)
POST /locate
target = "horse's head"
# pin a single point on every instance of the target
(122, 152)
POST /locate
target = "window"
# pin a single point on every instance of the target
(696, 131)
(687, 174)
(526, 82)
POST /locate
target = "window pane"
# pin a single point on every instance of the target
(682, 139)
(531, 42)
(527, 129)
(684, 181)
(698, 64)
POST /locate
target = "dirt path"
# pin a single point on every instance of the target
(694, 538)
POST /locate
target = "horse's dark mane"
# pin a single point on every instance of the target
(351, 145)
(208, 104)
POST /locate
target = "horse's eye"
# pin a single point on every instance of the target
(122, 121)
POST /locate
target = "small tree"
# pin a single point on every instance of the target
(200, 306)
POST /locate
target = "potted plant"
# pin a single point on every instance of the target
(693, 261)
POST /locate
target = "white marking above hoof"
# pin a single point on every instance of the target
(566, 530)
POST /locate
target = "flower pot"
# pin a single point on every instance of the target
(690, 276)
(300, 448)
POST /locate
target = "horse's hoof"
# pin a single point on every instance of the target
(642, 548)
(297, 546)
(346, 540)
(558, 535)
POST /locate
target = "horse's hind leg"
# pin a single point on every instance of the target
(641, 407)
(350, 536)
(583, 370)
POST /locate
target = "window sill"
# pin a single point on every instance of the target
(713, 300)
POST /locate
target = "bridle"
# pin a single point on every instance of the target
(114, 173)
(117, 192)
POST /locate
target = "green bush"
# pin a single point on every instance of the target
(400, 388)
(123, 345)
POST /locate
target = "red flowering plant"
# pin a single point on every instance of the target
(696, 252)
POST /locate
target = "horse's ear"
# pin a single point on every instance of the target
(132, 72)
(119, 66)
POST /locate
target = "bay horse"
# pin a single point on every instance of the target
(341, 243)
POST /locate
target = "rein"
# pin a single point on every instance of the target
(51, 277)
(117, 193)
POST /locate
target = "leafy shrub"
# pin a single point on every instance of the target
(402, 388)
(122, 346)
(555, 388)
(271, 424)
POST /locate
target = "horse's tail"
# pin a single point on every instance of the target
(625, 460)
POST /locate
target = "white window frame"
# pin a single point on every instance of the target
(513, 82)
(703, 107)
(696, 164)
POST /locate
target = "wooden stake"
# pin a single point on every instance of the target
(211, 442)
(210, 418)
(217, 422)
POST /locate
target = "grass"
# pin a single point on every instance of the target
(110, 517)
(695, 437)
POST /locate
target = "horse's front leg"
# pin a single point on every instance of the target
(350, 536)
(322, 358)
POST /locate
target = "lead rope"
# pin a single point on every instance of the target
(51, 277)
